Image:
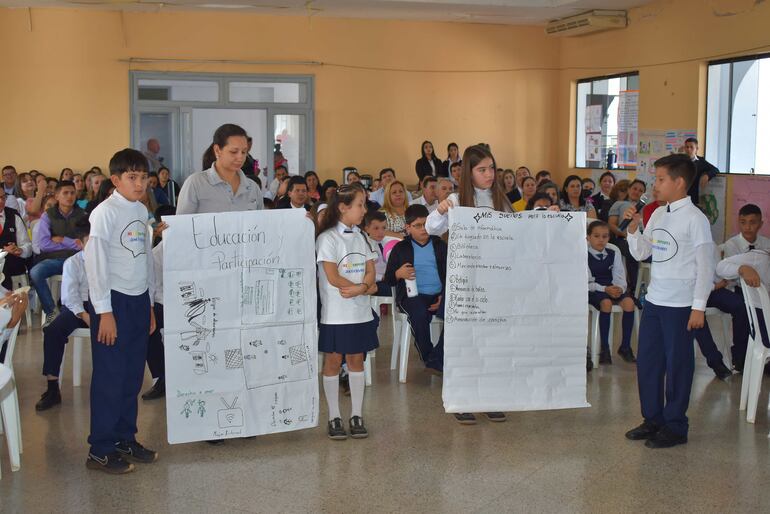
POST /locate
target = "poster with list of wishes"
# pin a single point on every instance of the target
(516, 317)
(239, 299)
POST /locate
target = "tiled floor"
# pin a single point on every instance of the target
(417, 458)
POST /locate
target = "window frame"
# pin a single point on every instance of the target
(718, 62)
(575, 128)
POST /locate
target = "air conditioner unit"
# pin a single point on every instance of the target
(587, 23)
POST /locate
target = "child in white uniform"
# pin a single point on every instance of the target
(346, 278)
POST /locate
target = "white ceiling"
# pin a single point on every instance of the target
(510, 12)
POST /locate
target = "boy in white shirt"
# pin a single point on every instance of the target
(73, 315)
(750, 223)
(678, 237)
(120, 282)
(374, 226)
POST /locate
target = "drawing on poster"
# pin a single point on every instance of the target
(230, 416)
(261, 300)
(233, 358)
(240, 325)
(274, 355)
(199, 406)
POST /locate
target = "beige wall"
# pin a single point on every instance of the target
(64, 91)
(65, 98)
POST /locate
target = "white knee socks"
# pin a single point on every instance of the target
(357, 385)
(332, 393)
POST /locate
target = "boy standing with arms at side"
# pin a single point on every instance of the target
(120, 279)
(678, 237)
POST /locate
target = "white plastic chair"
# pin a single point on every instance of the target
(757, 352)
(76, 342)
(54, 283)
(376, 302)
(401, 346)
(15, 416)
(643, 277)
(9, 416)
(725, 342)
(594, 335)
(18, 281)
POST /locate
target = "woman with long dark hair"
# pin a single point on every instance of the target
(428, 164)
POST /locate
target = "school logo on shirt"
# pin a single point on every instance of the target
(352, 267)
(133, 238)
(664, 246)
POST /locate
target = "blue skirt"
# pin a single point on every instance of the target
(348, 339)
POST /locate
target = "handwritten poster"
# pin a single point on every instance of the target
(593, 119)
(713, 200)
(516, 315)
(240, 324)
(628, 122)
(750, 189)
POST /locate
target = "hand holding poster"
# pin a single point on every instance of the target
(240, 324)
(516, 311)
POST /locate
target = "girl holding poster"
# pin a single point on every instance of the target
(478, 188)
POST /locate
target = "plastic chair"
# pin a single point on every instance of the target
(9, 416)
(401, 346)
(595, 339)
(13, 334)
(77, 338)
(642, 278)
(376, 302)
(757, 353)
(18, 281)
(725, 342)
(54, 283)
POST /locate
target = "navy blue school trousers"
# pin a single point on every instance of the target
(55, 337)
(419, 316)
(118, 371)
(731, 303)
(156, 359)
(665, 363)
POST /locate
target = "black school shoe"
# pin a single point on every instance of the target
(337, 430)
(465, 418)
(627, 354)
(665, 438)
(605, 357)
(497, 417)
(644, 431)
(721, 371)
(48, 400)
(357, 428)
(589, 364)
(134, 451)
(114, 464)
(158, 390)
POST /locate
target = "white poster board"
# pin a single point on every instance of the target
(239, 298)
(516, 311)
(628, 121)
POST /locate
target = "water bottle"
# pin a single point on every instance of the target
(411, 287)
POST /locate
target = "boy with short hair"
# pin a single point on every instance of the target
(420, 257)
(456, 171)
(54, 236)
(750, 223)
(120, 282)
(374, 226)
(678, 237)
(73, 315)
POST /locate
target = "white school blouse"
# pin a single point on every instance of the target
(438, 223)
(118, 251)
(679, 240)
(348, 248)
(74, 283)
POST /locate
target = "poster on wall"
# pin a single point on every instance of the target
(628, 122)
(239, 302)
(750, 189)
(594, 119)
(594, 147)
(515, 341)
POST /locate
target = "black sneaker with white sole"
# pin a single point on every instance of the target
(357, 428)
(465, 418)
(136, 452)
(337, 430)
(114, 464)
